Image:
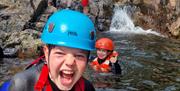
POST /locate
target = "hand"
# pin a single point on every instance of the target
(105, 70)
(113, 59)
(95, 67)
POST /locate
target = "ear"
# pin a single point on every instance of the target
(46, 52)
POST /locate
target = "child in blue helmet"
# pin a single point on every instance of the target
(69, 36)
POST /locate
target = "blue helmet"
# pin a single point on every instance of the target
(70, 29)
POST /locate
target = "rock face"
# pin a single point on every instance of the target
(1, 53)
(17, 16)
(160, 15)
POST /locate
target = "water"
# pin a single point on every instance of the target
(122, 22)
(149, 61)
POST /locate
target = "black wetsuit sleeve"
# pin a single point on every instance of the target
(117, 68)
(88, 86)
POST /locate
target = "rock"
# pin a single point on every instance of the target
(3, 6)
(10, 52)
(152, 3)
(20, 13)
(178, 61)
(171, 88)
(25, 42)
(1, 53)
(101, 10)
(175, 28)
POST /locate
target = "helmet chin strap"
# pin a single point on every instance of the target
(100, 61)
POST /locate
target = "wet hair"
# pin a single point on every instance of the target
(50, 47)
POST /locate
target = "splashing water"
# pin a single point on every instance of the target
(121, 22)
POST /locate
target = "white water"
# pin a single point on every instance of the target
(122, 23)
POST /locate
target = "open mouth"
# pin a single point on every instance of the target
(101, 56)
(66, 77)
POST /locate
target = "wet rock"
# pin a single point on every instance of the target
(175, 28)
(104, 15)
(10, 52)
(177, 79)
(20, 14)
(2, 6)
(26, 42)
(170, 88)
(1, 53)
(178, 61)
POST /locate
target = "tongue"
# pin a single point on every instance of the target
(66, 79)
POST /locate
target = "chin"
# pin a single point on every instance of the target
(65, 87)
(101, 57)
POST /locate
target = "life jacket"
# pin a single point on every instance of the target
(98, 67)
(105, 65)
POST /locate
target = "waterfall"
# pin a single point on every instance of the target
(122, 22)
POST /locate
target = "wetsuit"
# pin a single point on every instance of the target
(115, 68)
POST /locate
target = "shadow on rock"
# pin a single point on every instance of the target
(1, 53)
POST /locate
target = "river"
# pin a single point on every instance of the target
(149, 60)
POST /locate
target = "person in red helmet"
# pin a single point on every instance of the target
(78, 5)
(106, 58)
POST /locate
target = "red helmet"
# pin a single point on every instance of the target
(105, 43)
(84, 2)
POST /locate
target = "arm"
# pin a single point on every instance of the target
(116, 68)
(114, 56)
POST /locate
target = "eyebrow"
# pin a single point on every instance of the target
(80, 50)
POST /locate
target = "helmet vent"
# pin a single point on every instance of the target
(92, 35)
(51, 27)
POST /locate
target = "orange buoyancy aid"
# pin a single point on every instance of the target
(103, 67)
(43, 81)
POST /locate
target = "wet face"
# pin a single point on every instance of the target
(66, 65)
(102, 53)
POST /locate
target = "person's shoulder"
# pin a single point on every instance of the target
(24, 80)
(18, 82)
(88, 85)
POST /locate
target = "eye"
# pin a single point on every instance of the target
(59, 53)
(81, 56)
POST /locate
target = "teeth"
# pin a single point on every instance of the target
(67, 72)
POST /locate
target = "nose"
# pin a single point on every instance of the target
(100, 51)
(70, 60)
